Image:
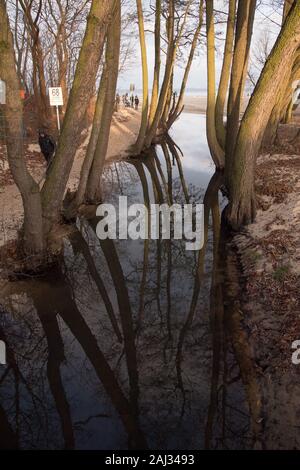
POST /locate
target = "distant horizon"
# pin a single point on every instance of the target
(188, 91)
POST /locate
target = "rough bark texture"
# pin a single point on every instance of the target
(88, 160)
(241, 209)
(216, 151)
(37, 54)
(283, 107)
(155, 85)
(244, 28)
(225, 75)
(277, 112)
(88, 63)
(166, 80)
(33, 234)
(170, 62)
(142, 132)
(93, 191)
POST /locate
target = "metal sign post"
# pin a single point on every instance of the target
(58, 120)
(56, 99)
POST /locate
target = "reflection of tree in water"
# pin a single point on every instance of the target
(132, 319)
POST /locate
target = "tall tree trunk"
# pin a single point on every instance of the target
(142, 132)
(38, 61)
(171, 53)
(88, 160)
(283, 101)
(83, 85)
(225, 75)
(288, 116)
(38, 56)
(244, 28)
(167, 108)
(170, 62)
(286, 9)
(277, 113)
(241, 208)
(93, 191)
(33, 234)
(216, 151)
(155, 85)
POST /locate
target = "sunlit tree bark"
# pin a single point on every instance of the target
(29, 189)
(39, 78)
(170, 62)
(225, 75)
(93, 190)
(96, 126)
(216, 150)
(84, 80)
(142, 132)
(282, 111)
(241, 209)
(244, 28)
(155, 85)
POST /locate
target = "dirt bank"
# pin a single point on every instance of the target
(123, 134)
(267, 254)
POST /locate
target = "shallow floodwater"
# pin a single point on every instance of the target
(122, 345)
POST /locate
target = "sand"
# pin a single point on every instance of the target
(124, 130)
(268, 256)
(197, 104)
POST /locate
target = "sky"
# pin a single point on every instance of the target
(266, 20)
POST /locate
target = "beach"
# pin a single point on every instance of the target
(197, 104)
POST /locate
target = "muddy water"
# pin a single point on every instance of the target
(122, 345)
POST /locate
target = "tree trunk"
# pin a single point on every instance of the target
(38, 56)
(286, 9)
(33, 234)
(155, 85)
(39, 80)
(225, 75)
(93, 192)
(167, 108)
(277, 113)
(170, 62)
(244, 28)
(88, 160)
(83, 85)
(216, 151)
(142, 132)
(284, 105)
(241, 208)
(289, 113)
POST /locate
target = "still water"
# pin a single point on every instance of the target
(122, 345)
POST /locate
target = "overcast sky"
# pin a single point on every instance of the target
(266, 21)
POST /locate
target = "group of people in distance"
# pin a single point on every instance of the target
(128, 101)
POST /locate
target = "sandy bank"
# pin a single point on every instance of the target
(124, 130)
(267, 301)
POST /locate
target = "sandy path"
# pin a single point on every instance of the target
(123, 134)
